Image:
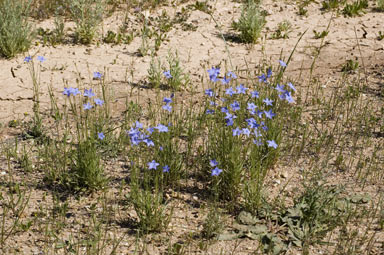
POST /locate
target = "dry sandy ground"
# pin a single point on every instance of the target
(198, 51)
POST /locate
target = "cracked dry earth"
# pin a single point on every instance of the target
(348, 39)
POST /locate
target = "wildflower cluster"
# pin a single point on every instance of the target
(246, 128)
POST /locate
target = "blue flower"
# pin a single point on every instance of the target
(209, 111)
(225, 80)
(252, 123)
(71, 91)
(288, 97)
(97, 75)
(88, 93)
(260, 114)
(251, 106)
(149, 142)
(246, 131)
(209, 92)
(28, 59)
(138, 124)
(150, 130)
(236, 132)
(166, 169)
(269, 114)
(262, 78)
(280, 88)
(167, 100)
(258, 142)
(229, 119)
(269, 73)
(224, 109)
(241, 89)
(235, 106)
(291, 86)
(167, 74)
(216, 171)
(212, 103)
(272, 143)
(213, 163)
(41, 59)
(230, 91)
(161, 128)
(268, 101)
(232, 74)
(213, 73)
(167, 107)
(282, 63)
(98, 101)
(87, 106)
(153, 165)
(101, 135)
(255, 94)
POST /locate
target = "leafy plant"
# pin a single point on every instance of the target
(283, 30)
(87, 14)
(356, 8)
(251, 23)
(329, 5)
(380, 36)
(380, 5)
(321, 34)
(350, 66)
(177, 78)
(16, 33)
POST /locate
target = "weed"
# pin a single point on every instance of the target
(177, 79)
(251, 23)
(155, 73)
(380, 5)
(329, 5)
(319, 35)
(356, 8)
(380, 36)
(16, 33)
(283, 30)
(350, 66)
(213, 224)
(87, 14)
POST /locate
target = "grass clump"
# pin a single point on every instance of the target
(356, 8)
(16, 33)
(380, 5)
(283, 30)
(329, 5)
(87, 14)
(251, 23)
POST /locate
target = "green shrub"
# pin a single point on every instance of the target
(87, 14)
(380, 5)
(251, 22)
(16, 33)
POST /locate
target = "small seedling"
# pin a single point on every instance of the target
(251, 23)
(356, 8)
(283, 30)
(321, 34)
(350, 66)
(380, 36)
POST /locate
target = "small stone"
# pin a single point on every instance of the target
(3, 173)
(284, 175)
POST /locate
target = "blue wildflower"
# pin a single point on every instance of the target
(101, 135)
(162, 128)
(235, 106)
(28, 59)
(241, 89)
(209, 111)
(98, 101)
(232, 74)
(149, 142)
(97, 75)
(246, 131)
(71, 91)
(88, 93)
(230, 91)
(252, 123)
(153, 165)
(213, 73)
(268, 101)
(166, 169)
(216, 171)
(41, 59)
(213, 163)
(167, 74)
(209, 92)
(224, 109)
(167, 107)
(269, 73)
(167, 100)
(269, 114)
(87, 106)
(282, 63)
(236, 132)
(255, 94)
(280, 88)
(272, 143)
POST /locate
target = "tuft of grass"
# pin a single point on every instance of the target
(16, 33)
(356, 8)
(380, 5)
(251, 23)
(329, 5)
(283, 30)
(87, 14)
(350, 66)
(319, 35)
